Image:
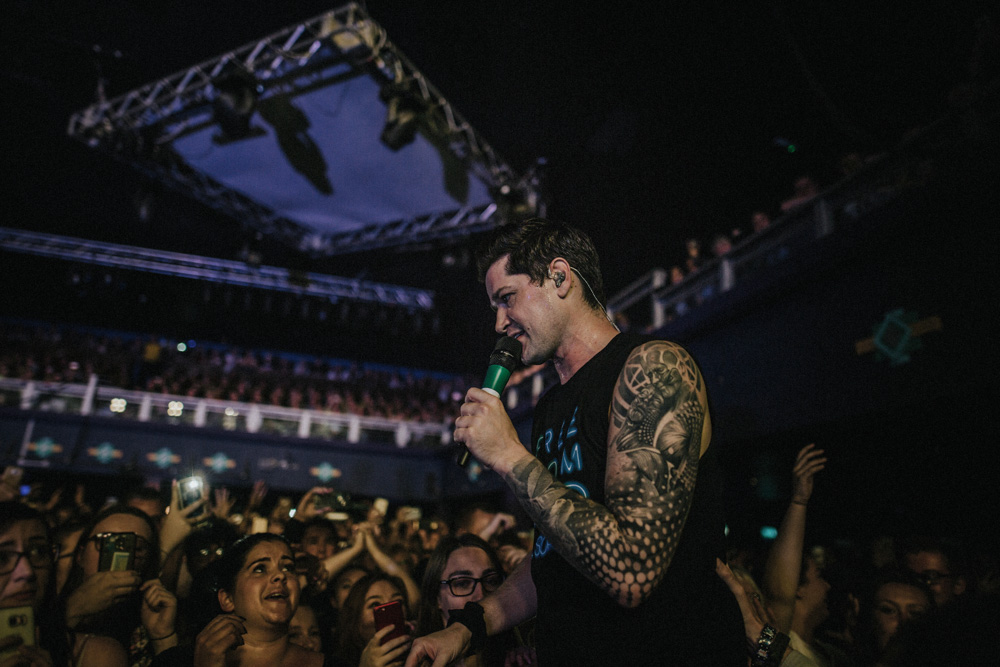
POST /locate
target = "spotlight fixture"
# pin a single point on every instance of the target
(235, 105)
(404, 107)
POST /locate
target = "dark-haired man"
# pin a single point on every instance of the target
(618, 477)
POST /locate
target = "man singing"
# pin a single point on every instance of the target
(619, 478)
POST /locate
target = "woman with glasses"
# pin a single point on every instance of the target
(125, 602)
(27, 580)
(359, 643)
(460, 570)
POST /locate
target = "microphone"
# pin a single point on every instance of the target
(504, 358)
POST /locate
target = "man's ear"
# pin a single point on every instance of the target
(559, 271)
(226, 602)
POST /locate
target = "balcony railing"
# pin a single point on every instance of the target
(115, 403)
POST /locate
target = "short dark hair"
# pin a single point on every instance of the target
(532, 244)
(952, 550)
(235, 555)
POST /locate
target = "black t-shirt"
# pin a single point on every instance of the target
(691, 618)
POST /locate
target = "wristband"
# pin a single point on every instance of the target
(770, 649)
(472, 617)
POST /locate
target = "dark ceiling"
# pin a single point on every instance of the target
(655, 123)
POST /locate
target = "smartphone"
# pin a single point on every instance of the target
(258, 524)
(390, 613)
(117, 552)
(20, 622)
(324, 502)
(381, 506)
(190, 490)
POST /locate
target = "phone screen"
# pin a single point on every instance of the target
(117, 552)
(19, 621)
(390, 613)
(190, 490)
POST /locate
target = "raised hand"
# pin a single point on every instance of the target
(222, 634)
(306, 509)
(392, 653)
(808, 462)
(257, 495)
(179, 522)
(159, 609)
(224, 503)
(100, 591)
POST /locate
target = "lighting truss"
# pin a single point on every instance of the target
(135, 126)
(214, 270)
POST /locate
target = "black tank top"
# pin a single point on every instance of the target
(691, 618)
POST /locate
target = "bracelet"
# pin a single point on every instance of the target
(771, 647)
(472, 617)
(799, 502)
(160, 639)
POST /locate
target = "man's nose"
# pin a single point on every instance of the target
(501, 321)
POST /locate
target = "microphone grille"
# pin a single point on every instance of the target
(506, 353)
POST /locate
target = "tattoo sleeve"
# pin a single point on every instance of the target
(654, 443)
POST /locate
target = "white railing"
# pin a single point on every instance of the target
(113, 402)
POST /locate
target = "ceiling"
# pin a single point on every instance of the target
(651, 124)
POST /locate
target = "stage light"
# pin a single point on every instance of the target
(404, 107)
(235, 105)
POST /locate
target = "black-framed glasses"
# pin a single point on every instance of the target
(461, 587)
(41, 556)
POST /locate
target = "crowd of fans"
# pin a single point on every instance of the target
(179, 368)
(236, 574)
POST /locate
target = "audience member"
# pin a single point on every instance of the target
(257, 597)
(358, 642)
(27, 562)
(130, 606)
(897, 598)
(939, 564)
(464, 569)
(805, 190)
(793, 581)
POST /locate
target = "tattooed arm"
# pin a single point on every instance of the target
(659, 429)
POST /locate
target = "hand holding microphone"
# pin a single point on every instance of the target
(503, 360)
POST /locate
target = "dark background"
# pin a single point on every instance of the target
(657, 124)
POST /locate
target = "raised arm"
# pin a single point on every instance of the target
(784, 560)
(659, 428)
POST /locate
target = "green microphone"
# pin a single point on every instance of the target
(503, 360)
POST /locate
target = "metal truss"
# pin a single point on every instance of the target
(138, 126)
(214, 270)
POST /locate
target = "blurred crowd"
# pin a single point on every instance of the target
(186, 574)
(204, 370)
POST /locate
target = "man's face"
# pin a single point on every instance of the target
(524, 311)
(933, 567)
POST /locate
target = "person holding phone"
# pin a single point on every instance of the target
(618, 477)
(361, 642)
(27, 587)
(129, 605)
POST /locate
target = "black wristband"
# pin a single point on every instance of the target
(472, 617)
(770, 649)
